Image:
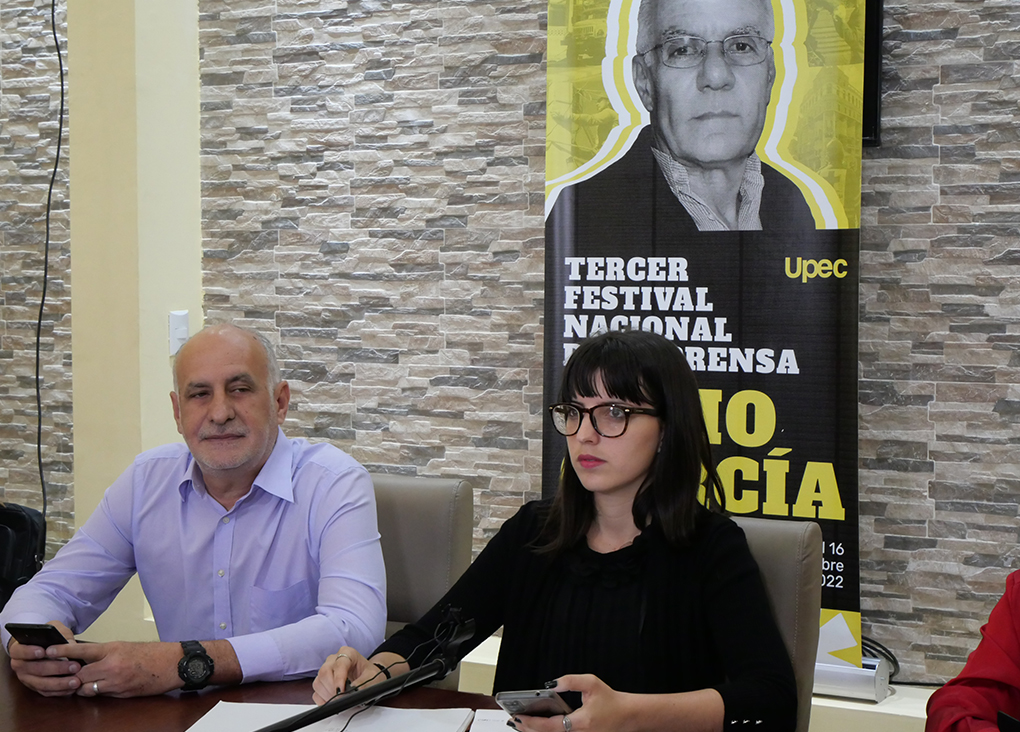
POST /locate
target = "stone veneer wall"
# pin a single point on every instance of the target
(29, 106)
(940, 332)
(373, 199)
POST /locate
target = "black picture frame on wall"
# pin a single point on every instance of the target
(871, 122)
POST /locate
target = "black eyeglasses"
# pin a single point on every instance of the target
(609, 420)
(686, 52)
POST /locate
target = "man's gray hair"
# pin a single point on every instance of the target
(272, 365)
(646, 21)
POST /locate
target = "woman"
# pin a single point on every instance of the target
(623, 587)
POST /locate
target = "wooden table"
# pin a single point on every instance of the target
(22, 710)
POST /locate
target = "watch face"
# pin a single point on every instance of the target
(196, 668)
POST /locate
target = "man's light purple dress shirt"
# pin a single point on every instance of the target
(291, 573)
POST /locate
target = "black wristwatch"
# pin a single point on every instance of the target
(196, 668)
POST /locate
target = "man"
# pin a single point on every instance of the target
(259, 555)
(704, 70)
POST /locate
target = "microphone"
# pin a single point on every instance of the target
(439, 667)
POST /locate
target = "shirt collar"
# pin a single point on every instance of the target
(274, 478)
(751, 187)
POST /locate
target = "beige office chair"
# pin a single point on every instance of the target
(789, 555)
(425, 525)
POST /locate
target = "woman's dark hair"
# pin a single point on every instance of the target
(637, 366)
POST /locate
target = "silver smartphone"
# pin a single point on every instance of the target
(535, 703)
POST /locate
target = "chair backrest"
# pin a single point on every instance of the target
(425, 526)
(789, 555)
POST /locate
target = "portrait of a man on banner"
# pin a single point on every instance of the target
(704, 71)
(708, 109)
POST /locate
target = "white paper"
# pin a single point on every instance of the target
(490, 720)
(236, 717)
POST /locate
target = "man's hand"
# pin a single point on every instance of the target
(141, 669)
(50, 675)
(124, 669)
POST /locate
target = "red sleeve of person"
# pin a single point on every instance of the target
(990, 681)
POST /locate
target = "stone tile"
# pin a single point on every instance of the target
(29, 103)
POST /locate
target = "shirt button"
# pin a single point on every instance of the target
(223, 626)
(221, 573)
(226, 519)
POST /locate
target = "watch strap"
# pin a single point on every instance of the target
(192, 650)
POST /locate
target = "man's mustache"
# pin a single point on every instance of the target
(215, 434)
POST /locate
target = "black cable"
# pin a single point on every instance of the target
(922, 684)
(437, 638)
(46, 258)
(350, 718)
(873, 649)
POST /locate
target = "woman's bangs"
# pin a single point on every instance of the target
(617, 369)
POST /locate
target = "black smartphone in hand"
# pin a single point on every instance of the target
(36, 634)
(43, 635)
(535, 703)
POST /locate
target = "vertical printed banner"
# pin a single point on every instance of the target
(703, 182)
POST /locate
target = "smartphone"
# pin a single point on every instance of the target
(536, 703)
(36, 634)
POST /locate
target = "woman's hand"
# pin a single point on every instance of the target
(602, 710)
(333, 675)
(347, 664)
(605, 710)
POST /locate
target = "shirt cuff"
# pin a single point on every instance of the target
(259, 657)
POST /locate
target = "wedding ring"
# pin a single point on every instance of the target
(95, 688)
(343, 655)
(567, 724)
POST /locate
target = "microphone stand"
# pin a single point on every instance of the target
(437, 668)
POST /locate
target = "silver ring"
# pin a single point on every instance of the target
(343, 655)
(95, 688)
(567, 724)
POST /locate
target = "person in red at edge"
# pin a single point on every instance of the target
(990, 681)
